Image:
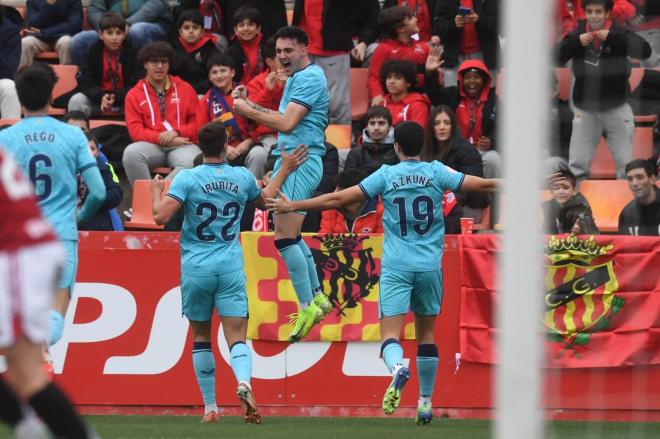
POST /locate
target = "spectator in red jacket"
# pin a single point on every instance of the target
(266, 90)
(398, 78)
(160, 117)
(246, 49)
(357, 218)
(217, 104)
(397, 25)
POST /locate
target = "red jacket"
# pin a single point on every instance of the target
(414, 107)
(333, 221)
(468, 106)
(203, 116)
(261, 95)
(388, 49)
(143, 118)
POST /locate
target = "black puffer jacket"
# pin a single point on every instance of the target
(463, 157)
(371, 155)
(557, 219)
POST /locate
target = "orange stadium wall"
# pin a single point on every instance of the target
(126, 345)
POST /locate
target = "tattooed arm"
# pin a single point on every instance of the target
(284, 123)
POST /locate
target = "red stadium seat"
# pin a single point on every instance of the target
(95, 123)
(339, 136)
(142, 217)
(50, 57)
(8, 121)
(603, 167)
(359, 93)
(607, 198)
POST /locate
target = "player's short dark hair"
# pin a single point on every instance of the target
(111, 20)
(156, 51)
(348, 178)
(75, 115)
(410, 137)
(212, 139)
(399, 67)
(34, 86)
(293, 33)
(607, 4)
(568, 175)
(247, 13)
(220, 59)
(390, 19)
(268, 48)
(381, 112)
(192, 15)
(647, 165)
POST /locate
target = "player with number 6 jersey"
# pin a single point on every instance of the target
(411, 277)
(52, 154)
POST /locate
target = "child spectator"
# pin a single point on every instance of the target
(599, 51)
(474, 102)
(192, 51)
(147, 20)
(420, 11)
(266, 90)
(397, 25)
(398, 77)
(50, 24)
(108, 71)
(641, 217)
(377, 146)
(102, 220)
(468, 30)
(568, 211)
(216, 105)
(246, 50)
(356, 218)
(160, 116)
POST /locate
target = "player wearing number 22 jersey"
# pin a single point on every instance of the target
(411, 277)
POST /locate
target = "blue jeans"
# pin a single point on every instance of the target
(140, 34)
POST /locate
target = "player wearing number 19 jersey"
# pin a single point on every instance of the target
(51, 154)
(213, 197)
(411, 277)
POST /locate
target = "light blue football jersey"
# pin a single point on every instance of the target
(412, 220)
(309, 88)
(213, 197)
(51, 153)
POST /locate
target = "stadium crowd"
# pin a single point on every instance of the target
(165, 69)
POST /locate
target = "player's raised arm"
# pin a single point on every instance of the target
(163, 208)
(478, 184)
(284, 123)
(333, 200)
(290, 163)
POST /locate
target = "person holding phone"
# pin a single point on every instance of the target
(468, 30)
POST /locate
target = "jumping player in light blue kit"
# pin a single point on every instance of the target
(213, 197)
(411, 276)
(52, 153)
(302, 119)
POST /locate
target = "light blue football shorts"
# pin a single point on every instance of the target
(226, 292)
(419, 291)
(302, 183)
(68, 277)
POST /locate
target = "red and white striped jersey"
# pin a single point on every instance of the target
(21, 221)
